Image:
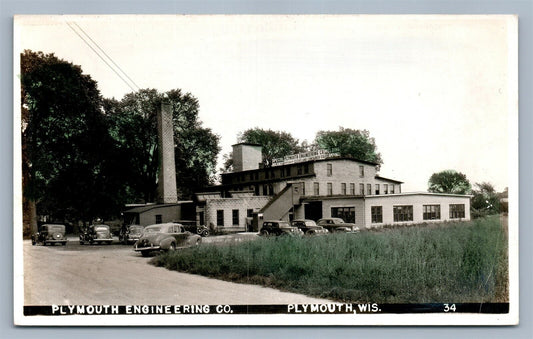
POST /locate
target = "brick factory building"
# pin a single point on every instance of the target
(316, 185)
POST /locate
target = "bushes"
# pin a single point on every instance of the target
(455, 262)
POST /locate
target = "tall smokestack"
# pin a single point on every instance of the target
(166, 185)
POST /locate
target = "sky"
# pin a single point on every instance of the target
(436, 92)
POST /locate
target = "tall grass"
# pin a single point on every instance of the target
(452, 262)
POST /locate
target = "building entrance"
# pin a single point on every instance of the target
(313, 210)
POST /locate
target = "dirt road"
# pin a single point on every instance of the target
(116, 275)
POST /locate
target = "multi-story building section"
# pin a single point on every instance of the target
(315, 185)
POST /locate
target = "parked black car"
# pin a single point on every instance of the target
(277, 227)
(337, 225)
(96, 234)
(309, 227)
(50, 234)
(130, 234)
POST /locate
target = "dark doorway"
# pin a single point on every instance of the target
(313, 210)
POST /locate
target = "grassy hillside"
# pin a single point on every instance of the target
(450, 262)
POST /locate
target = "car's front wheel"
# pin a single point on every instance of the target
(265, 233)
(145, 253)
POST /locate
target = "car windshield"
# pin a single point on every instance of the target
(136, 229)
(338, 220)
(152, 229)
(101, 228)
(56, 228)
(284, 224)
(310, 223)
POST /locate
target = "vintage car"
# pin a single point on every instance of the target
(190, 225)
(96, 234)
(309, 227)
(277, 227)
(165, 237)
(337, 225)
(130, 234)
(50, 234)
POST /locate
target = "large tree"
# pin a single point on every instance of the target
(64, 139)
(350, 143)
(485, 199)
(449, 181)
(275, 144)
(133, 125)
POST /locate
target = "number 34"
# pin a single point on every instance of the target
(448, 307)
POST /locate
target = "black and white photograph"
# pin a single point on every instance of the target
(206, 170)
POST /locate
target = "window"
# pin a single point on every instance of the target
(392, 189)
(299, 169)
(267, 174)
(369, 189)
(361, 171)
(352, 188)
(345, 213)
(377, 189)
(385, 189)
(431, 212)
(288, 172)
(329, 170)
(377, 214)
(220, 217)
(403, 213)
(330, 188)
(249, 213)
(303, 188)
(158, 218)
(361, 189)
(457, 211)
(316, 188)
(343, 188)
(235, 217)
(265, 190)
(306, 168)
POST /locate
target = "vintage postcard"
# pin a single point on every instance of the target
(266, 170)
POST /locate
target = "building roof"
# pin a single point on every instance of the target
(142, 209)
(419, 193)
(247, 144)
(392, 180)
(309, 198)
(307, 162)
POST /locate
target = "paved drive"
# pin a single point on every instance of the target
(116, 275)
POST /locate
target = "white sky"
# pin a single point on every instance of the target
(436, 92)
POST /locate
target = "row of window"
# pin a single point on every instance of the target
(282, 172)
(405, 212)
(329, 170)
(234, 216)
(387, 188)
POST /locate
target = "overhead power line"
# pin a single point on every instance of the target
(102, 57)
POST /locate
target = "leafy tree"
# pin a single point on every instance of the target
(275, 144)
(64, 139)
(485, 200)
(133, 125)
(449, 181)
(349, 143)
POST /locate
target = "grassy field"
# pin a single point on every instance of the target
(449, 262)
